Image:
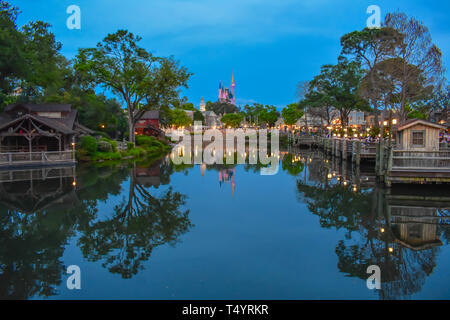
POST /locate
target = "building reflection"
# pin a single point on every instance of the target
(400, 229)
(41, 210)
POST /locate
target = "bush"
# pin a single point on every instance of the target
(130, 145)
(142, 140)
(104, 146)
(106, 156)
(136, 152)
(113, 143)
(89, 144)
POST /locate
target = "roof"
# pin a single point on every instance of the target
(48, 107)
(209, 113)
(413, 122)
(150, 115)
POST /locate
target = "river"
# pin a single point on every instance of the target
(164, 231)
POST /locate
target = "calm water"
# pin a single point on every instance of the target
(160, 231)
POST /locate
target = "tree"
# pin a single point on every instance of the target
(198, 116)
(339, 85)
(269, 115)
(12, 66)
(180, 118)
(221, 108)
(291, 113)
(142, 80)
(370, 46)
(419, 60)
(232, 120)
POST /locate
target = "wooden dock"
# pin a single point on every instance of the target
(36, 159)
(392, 166)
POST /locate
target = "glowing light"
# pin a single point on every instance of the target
(329, 176)
(391, 249)
(74, 183)
(385, 123)
(382, 230)
(394, 121)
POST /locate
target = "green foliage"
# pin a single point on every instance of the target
(130, 146)
(97, 156)
(180, 118)
(104, 146)
(113, 143)
(291, 113)
(221, 108)
(232, 120)
(374, 132)
(198, 116)
(89, 144)
(144, 81)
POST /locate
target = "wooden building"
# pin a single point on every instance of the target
(419, 135)
(149, 124)
(31, 133)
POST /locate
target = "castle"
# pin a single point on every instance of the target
(227, 94)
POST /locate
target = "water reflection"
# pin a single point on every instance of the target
(400, 230)
(118, 214)
(40, 213)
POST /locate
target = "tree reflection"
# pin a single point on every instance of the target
(32, 243)
(375, 237)
(139, 223)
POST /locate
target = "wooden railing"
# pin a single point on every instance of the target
(402, 159)
(19, 158)
(38, 174)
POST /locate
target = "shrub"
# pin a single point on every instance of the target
(130, 145)
(113, 143)
(104, 146)
(142, 140)
(89, 144)
(106, 156)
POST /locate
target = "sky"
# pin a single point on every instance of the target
(270, 46)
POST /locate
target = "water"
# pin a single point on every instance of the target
(160, 231)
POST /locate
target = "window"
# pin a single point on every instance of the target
(418, 138)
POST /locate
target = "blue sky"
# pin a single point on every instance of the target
(270, 45)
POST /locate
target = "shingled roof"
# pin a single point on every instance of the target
(47, 107)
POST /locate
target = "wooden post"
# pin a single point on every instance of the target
(344, 149)
(358, 153)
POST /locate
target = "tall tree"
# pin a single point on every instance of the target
(369, 47)
(291, 113)
(339, 83)
(142, 80)
(417, 56)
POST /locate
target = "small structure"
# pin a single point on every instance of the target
(211, 119)
(39, 133)
(149, 124)
(419, 135)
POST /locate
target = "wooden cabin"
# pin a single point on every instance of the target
(149, 124)
(39, 127)
(419, 135)
(38, 134)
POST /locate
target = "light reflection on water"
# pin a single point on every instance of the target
(165, 231)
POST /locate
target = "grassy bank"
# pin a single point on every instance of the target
(90, 149)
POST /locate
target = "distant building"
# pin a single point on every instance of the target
(356, 118)
(227, 94)
(211, 119)
(202, 105)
